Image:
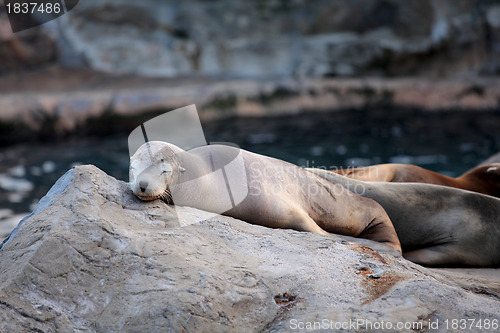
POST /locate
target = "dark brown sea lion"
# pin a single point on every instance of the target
(437, 225)
(482, 179)
(280, 194)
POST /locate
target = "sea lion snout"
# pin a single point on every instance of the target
(143, 185)
(149, 184)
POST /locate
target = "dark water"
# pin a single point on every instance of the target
(450, 143)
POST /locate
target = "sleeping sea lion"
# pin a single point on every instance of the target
(482, 179)
(280, 194)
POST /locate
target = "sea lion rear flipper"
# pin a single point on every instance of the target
(381, 230)
(430, 256)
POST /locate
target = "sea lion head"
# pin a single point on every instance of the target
(483, 179)
(152, 168)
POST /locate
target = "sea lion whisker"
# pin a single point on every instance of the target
(166, 196)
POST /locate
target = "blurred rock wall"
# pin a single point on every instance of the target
(274, 38)
(25, 50)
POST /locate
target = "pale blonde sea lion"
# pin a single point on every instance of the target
(436, 225)
(280, 194)
(482, 179)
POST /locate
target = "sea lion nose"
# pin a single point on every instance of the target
(143, 185)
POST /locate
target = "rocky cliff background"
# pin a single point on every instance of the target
(255, 58)
(266, 38)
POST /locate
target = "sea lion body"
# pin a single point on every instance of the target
(492, 159)
(280, 194)
(482, 179)
(436, 225)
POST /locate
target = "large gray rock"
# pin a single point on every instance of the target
(93, 258)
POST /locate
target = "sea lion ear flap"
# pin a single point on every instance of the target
(181, 169)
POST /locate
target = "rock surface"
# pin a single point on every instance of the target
(93, 258)
(283, 38)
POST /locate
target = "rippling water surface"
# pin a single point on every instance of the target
(450, 143)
